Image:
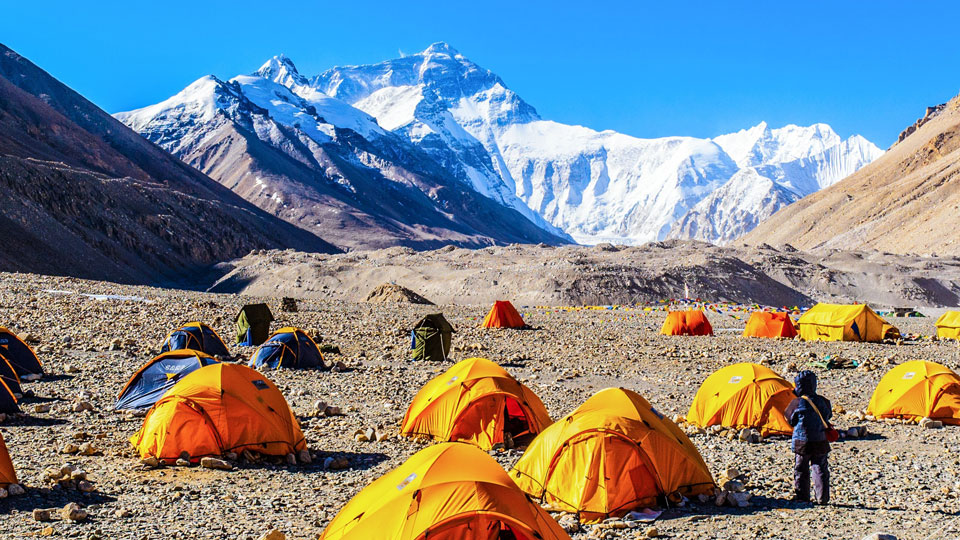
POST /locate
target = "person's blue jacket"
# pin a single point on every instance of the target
(807, 425)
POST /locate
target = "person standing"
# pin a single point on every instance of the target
(809, 413)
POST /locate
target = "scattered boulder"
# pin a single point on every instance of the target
(929, 423)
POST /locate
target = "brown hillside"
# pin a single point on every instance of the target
(905, 202)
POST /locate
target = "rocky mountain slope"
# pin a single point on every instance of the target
(904, 202)
(605, 274)
(325, 166)
(316, 151)
(84, 195)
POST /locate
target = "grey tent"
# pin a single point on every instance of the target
(430, 338)
(253, 324)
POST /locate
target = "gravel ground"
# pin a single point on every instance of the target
(901, 478)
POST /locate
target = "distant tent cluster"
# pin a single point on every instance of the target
(822, 322)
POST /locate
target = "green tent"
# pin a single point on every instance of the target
(431, 338)
(253, 324)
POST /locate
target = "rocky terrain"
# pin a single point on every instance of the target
(92, 336)
(606, 274)
(904, 202)
(84, 195)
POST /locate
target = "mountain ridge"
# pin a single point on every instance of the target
(570, 181)
(94, 199)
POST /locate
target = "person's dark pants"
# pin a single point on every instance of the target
(812, 458)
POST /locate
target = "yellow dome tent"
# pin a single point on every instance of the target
(217, 409)
(948, 325)
(612, 454)
(918, 389)
(449, 491)
(475, 401)
(839, 322)
(7, 474)
(743, 395)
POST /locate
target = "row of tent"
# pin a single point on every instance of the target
(612, 454)
(287, 348)
(822, 322)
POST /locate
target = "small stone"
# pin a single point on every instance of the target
(42, 514)
(304, 456)
(273, 535)
(73, 512)
(69, 448)
(85, 486)
(88, 449)
(182, 462)
(880, 536)
(215, 463)
(41, 408)
(3, 493)
(291, 459)
(150, 461)
(731, 473)
(569, 523)
(15, 490)
(81, 405)
(361, 436)
(70, 368)
(930, 423)
(652, 532)
(123, 513)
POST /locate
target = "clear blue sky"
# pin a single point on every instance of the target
(644, 68)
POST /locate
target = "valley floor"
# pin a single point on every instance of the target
(902, 478)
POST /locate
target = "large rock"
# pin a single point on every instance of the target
(391, 292)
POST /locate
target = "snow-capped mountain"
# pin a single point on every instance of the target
(326, 166)
(777, 167)
(596, 186)
(442, 113)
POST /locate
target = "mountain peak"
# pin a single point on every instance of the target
(278, 68)
(441, 47)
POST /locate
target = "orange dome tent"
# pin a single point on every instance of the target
(918, 389)
(948, 325)
(611, 455)
(449, 491)
(842, 322)
(743, 395)
(7, 474)
(686, 323)
(769, 324)
(475, 401)
(217, 409)
(503, 315)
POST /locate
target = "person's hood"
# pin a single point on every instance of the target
(806, 383)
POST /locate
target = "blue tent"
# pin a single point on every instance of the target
(288, 348)
(153, 380)
(196, 336)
